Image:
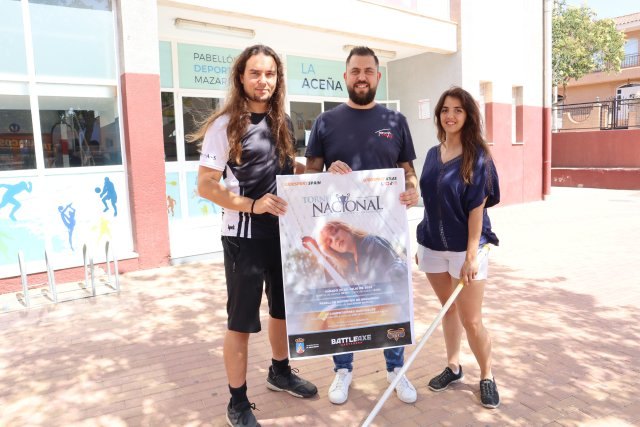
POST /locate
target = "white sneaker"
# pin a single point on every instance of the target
(404, 389)
(339, 390)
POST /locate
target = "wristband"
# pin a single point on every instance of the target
(252, 204)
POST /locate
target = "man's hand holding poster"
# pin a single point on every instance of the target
(345, 260)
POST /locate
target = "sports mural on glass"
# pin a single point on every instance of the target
(62, 213)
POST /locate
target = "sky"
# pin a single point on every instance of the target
(608, 8)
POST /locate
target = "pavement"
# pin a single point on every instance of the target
(562, 305)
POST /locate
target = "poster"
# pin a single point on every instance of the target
(346, 265)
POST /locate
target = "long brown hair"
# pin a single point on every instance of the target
(338, 259)
(236, 107)
(471, 133)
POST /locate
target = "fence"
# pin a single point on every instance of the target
(599, 115)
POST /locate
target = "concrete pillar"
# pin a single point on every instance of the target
(142, 124)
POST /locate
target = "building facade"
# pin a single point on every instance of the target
(94, 110)
(596, 139)
(607, 86)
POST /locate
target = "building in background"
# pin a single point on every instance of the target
(608, 86)
(596, 140)
(97, 96)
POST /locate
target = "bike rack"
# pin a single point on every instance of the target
(51, 280)
(109, 249)
(23, 277)
(52, 293)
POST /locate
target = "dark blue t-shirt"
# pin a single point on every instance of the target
(448, 201)
(373, 138)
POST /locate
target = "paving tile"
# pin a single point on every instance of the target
(561, 305)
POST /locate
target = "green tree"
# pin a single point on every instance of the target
(582, 44)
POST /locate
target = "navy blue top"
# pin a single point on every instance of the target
(373, 138)
(448, 201)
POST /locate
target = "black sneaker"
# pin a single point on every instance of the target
(291, 383)
(441, 382)
(489, 394)
(241, 415)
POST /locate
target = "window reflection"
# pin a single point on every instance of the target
(79, 132)
(303, 114)
(195, 111)
(169, 126)
(16, 134)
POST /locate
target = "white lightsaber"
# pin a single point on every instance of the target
(483, 252)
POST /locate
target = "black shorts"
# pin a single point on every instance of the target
(248, 263)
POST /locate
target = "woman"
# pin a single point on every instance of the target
(360, 258)
(458, 182)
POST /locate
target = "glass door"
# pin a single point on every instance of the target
(303, 114)
(194, 222)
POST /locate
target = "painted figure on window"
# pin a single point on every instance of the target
(68, 216)
(171, 203)
(9, 196)
(108, 194)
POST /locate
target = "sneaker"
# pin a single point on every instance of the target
(291, 383)
(442, 381)
(339, 390)
(404, 389)
(489, 394)
(241, 415)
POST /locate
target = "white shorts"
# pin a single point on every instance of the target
(431, 261)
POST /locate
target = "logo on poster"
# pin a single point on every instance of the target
(395, 334)
(299, 345)
(356, 339)
(343, 204)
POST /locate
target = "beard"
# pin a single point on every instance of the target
(260, 98)
(361, 99)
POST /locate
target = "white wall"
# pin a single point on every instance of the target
(347, 17)
(502, 42)
(138, 38)
(422, 77)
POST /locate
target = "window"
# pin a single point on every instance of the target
(486, 111)
(12, 49)
(303, 114)
(16, 135)
(195, 111)
(631, 47)
(517, 115)
(80, 44)
(74, 121)
(79, 131)
(169, 126)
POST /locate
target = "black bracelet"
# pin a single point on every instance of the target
(253, 203)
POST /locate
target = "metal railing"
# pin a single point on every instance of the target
(628, 61)
(599, 115)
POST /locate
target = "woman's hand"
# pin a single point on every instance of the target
(270, 203)
(409, 198)
(469, 270)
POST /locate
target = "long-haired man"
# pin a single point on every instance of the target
(248, 142)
